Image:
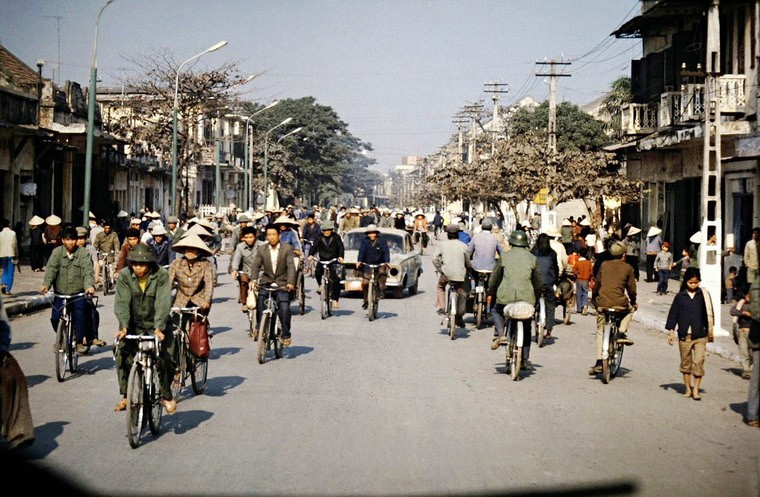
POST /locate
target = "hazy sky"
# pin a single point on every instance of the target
(395, 71)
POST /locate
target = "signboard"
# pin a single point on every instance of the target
(540, 199)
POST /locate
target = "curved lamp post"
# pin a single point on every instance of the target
(266, 157)
(219, 45)
(91, 122)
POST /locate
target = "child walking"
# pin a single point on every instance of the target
(730, 284)
(663, 263)
(692, 315)
(684, 262)
(744, 314)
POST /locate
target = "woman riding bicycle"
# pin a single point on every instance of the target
(142, 303)
(192, 274)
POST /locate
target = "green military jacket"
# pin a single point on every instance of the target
(142, 312)
(516, 277)
(69, 275)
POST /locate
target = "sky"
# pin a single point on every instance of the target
(395, 71)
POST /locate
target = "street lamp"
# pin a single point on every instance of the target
(288, 134)
(174, 123)
(246, 168)
(266, 157)
(91, 122)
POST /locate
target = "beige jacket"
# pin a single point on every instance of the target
(8, 246)
(750, 255)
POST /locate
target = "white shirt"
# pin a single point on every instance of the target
(274, 252)
(8, 246)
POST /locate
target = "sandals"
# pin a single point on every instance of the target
(121, 406)
(754, 423)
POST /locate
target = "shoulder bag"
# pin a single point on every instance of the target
(199, 343)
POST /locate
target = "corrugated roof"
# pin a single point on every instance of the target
(18, 72)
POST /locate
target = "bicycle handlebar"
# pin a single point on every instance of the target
(325, 263)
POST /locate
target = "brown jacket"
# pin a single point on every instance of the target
(194, 284)
(262, 266)
(614, 280)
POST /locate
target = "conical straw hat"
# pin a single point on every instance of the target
(654, 231)
(191, 241)
(53, 220)
(36, 221)
(285, 220)
(197, 230)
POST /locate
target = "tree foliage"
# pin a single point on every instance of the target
(575, 128)
(613, 102)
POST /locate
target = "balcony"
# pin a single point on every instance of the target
(639, 119)
(733, 94)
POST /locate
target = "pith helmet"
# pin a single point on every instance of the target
(518, 238)
(141, 253)
(617, 248)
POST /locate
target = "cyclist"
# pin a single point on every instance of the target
(242, 259)
(614, 281)
(143, 300)
(516, 277)
(373, 250)
(420, 227)
(484, 247)
(547, 262)
(69, 270)
(452, 261)
(193, 275)
(132, 239)
(330, 246)
(273, 263)
(311, 232)
(161, 246)
(106, 241)
(289, 233)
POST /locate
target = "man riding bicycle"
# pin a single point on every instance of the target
(311, 232)
(107, 241)
(515, 278)
(327, 247)
(614, 280)
(484, 248)
(142, 304)
(452, 261)
(273, 263)
(69, 271)
(242, 260)
(375, 251)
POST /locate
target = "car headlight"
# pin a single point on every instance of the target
(394, 271)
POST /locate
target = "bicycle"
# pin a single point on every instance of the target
(144, 404)
(451, 310)
(373, 291)
(518, 315)
(270, 328)
(325, 288)
(420, 238)
(612, 351)
(108, 271)
(539, 319)
(187, 365)
(251, 312)
(65, 349)
(481, 308)
(300, 286)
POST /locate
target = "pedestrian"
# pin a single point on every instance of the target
(52, 235)
(437, 224)
(692, 315)
(663, 263)
(684, 262)
(36, 244)
(633, 242)
(8, 256)
(751, 255)
(730, 284)
(653, 247)
(742, 312)
(16, 426)
(753, 342)
(583, 270)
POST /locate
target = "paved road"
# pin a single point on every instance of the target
(395, 407)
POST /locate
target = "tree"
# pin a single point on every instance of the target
(613, 102)
(575, 128)
(144, 117)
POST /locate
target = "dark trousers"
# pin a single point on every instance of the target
(16, 424)
(633, 261)
(500, 322)
(650, 267)
(662, 280)
(283, 309)
(78, 312)
(36, 256)
(335, 275)
(125, 356)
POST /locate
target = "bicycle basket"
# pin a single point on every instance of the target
(519, 310)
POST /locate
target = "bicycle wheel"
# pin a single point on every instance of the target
(61, 352)
(606, 371)
(515, 355)
(371, 303)
(616, 358)
(301, 294)
(567, 308)
(452, 315)
(154, 408)
(479, 315)
(264, 336)
(71, 350)
(252, 325)
(199, 374)
(324, 299)
(135, 405)
(180, 367)
(539, 329)
(277, 338)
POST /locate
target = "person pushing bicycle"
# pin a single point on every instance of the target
(614, 280)
(328, 246)
(142, 304)
(373, 250)
(69, 271)
(273, 263)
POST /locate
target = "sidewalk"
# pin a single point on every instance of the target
(652, 313)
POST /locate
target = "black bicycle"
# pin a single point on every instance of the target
(518, 317)
(144, 406)
(270, 328)
(187, 365)
(612, 350)
(480, 307)
(325, 289)
(107, 270)
(373, 290)
(300, 286)
(66, 355)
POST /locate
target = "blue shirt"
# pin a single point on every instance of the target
(374, 253)
(483, 249)
(290, 237)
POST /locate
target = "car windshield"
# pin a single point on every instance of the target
(395, 243)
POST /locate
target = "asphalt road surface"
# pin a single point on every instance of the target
(395, 407)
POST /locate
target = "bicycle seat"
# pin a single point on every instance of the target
(519, 310)
(612, 309)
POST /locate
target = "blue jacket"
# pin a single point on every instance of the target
(374, 253)
(688, 313)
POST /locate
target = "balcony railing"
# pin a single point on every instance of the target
(639, 119)
(733, 93)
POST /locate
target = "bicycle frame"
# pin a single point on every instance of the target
(143, 400)
(269, 331)
(187, 364)
(326, 287)
(66, 343)
(373, 291)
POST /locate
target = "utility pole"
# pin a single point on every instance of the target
(495, 89)
(553, 75)
(710, 255)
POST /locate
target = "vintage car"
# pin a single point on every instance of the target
(405, 266)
